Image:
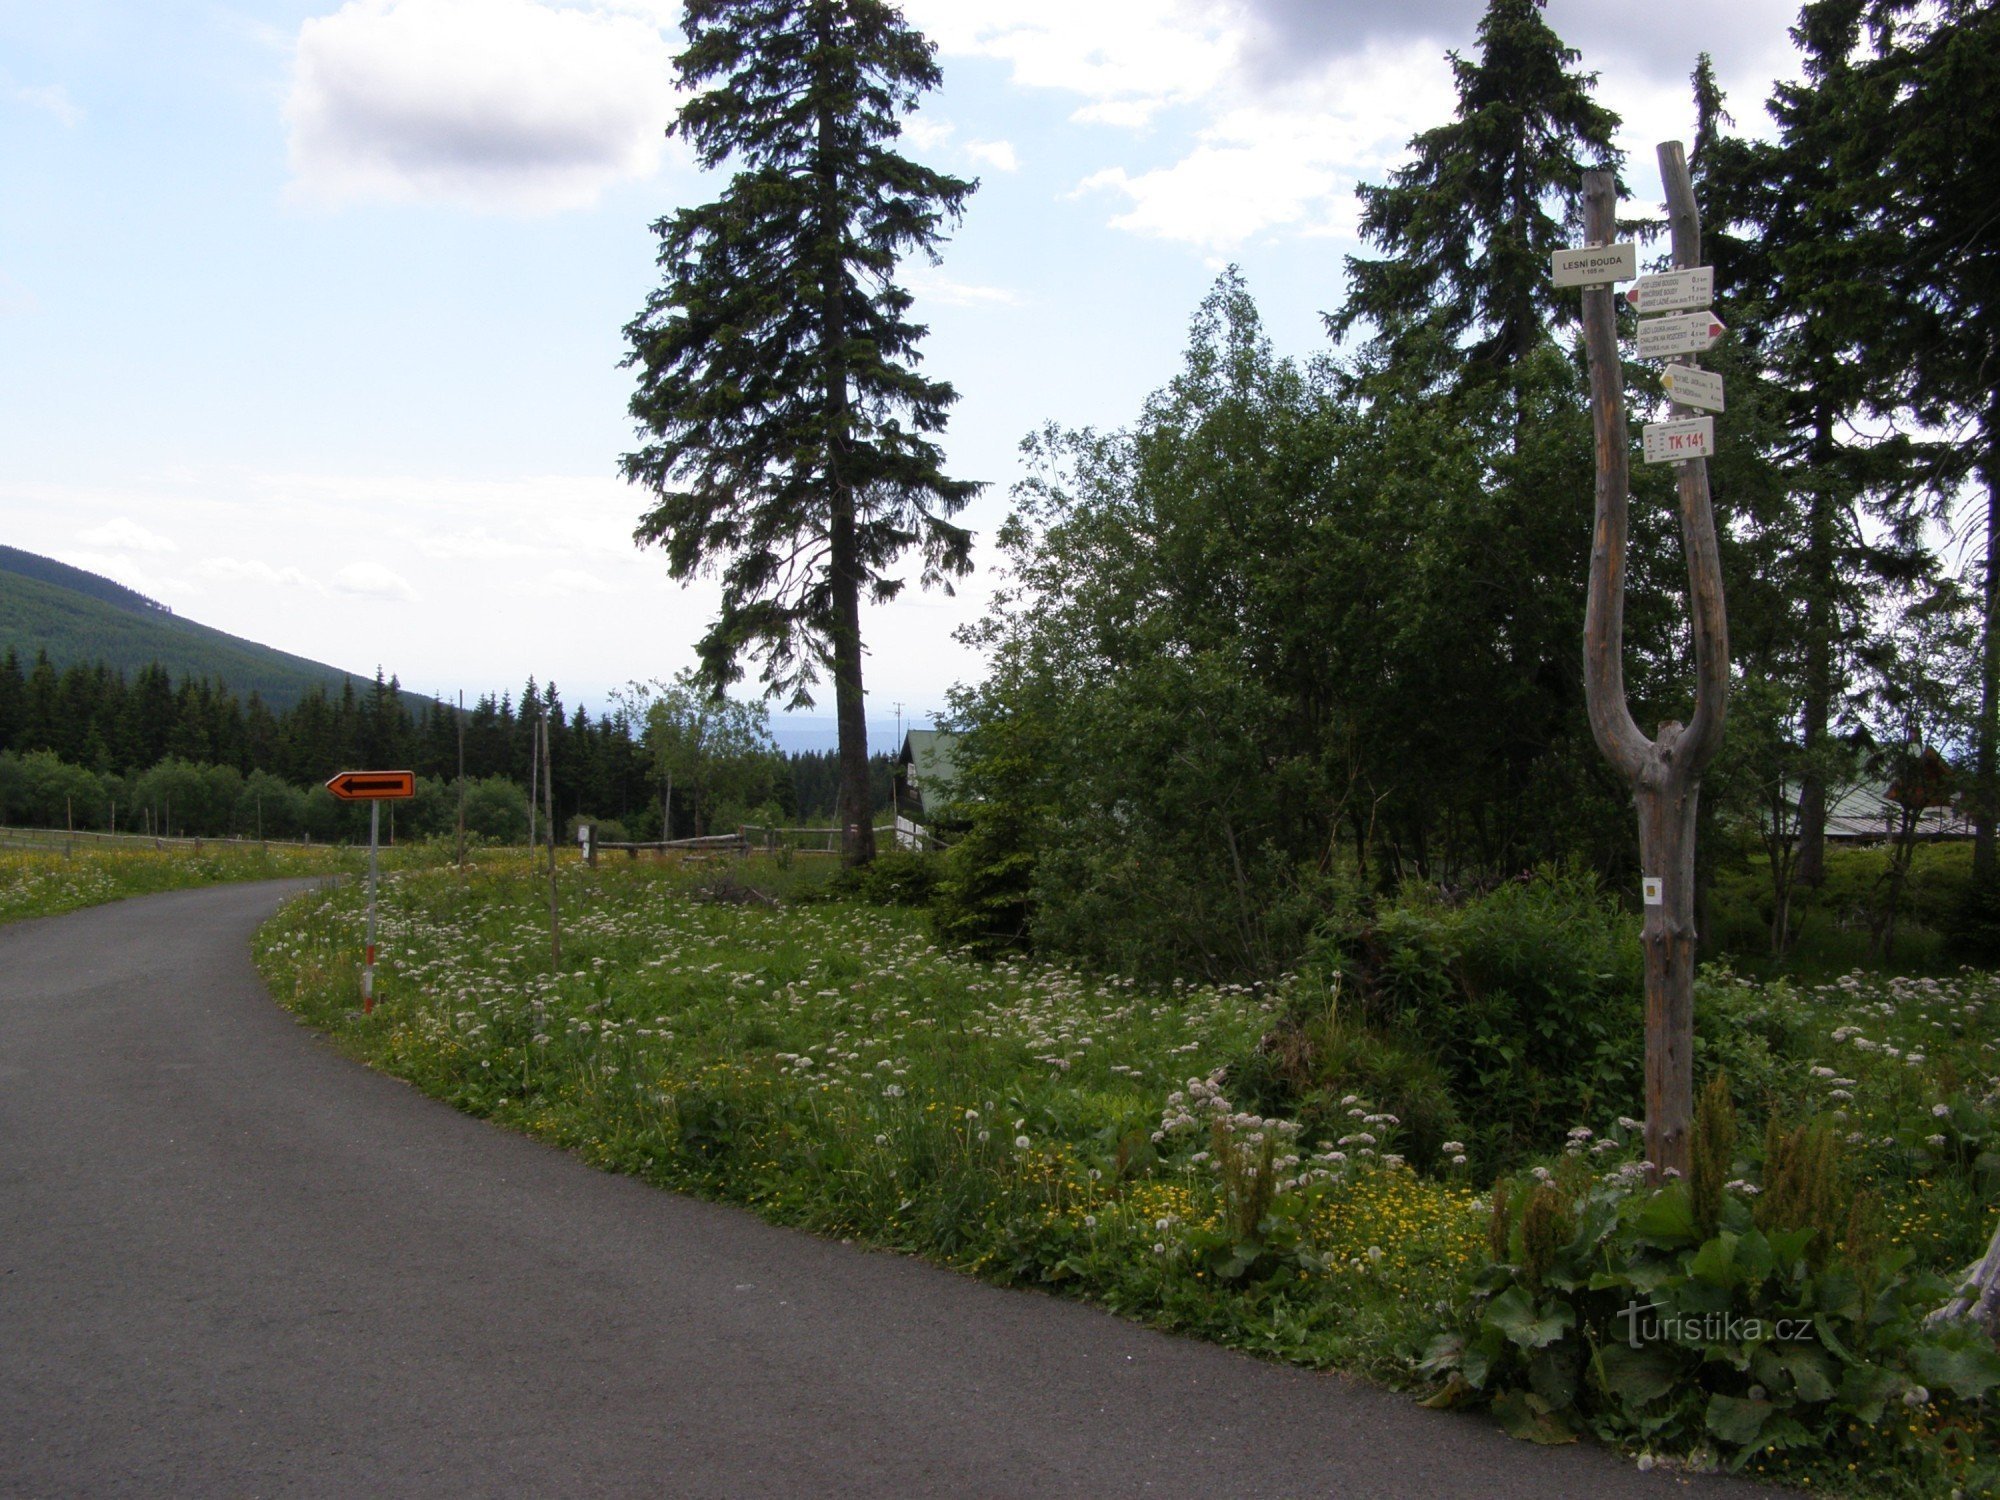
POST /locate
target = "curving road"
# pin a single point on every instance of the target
(233, 1263)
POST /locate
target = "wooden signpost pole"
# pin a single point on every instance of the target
(1664, 773)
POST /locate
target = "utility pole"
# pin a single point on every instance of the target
(1664, 773)
(461, 781)
(534, 780)
(549, 796)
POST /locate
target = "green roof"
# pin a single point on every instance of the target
(932, 759)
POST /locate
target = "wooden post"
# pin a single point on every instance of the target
(1664, 773)
(549, 798)
(461, 781)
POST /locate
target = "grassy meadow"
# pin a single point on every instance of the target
(43, 882)
(825, 1063)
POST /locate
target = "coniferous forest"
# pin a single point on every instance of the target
(87, 747)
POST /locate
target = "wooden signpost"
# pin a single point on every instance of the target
(1684, 333)
(1664, 773)
(1678, 441)
(1675, 291)
(374, 788)
(1689, 386)
(1594, 265)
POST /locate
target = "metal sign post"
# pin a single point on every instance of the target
(368, 953)
(374, 788)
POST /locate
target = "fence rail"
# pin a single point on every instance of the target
(66, 839)
(748, 839)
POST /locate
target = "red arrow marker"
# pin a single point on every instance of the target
(373, 786)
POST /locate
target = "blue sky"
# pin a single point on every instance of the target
(310, 312)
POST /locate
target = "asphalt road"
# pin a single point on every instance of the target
(232, 1263)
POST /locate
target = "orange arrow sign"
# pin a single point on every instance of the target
(373, 786)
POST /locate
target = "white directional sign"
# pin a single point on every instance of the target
(1684, 333)
(1691, 387)
(1676, 291)
(1672, 442)
(1594, 265)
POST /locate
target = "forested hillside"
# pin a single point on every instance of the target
(78, 617)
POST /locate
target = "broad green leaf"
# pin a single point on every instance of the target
(1527, 1416)
(1514, 1313)
(1735, 1420)
(1667, 1218)
(1552, 1374)
(1968, 1371)
(1637, 1376)
(1715, 1262)
(1865, 1390)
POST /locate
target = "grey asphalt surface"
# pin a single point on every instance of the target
(233, 1263)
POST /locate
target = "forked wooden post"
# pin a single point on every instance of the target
(1664, 773)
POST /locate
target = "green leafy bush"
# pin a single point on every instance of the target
(1606, 1309)
(1529, 997)
(984, 899)
(895, 877)
(1315, 1062)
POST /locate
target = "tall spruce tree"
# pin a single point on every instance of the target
(1458, 310)
(1934, 181)
(1802, 261)
(1469, 224)
(789, 430)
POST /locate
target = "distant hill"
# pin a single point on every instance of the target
(77, 616)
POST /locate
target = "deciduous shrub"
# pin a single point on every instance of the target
(1529, 997)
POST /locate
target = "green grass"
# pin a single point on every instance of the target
(45, 882)
(826, 1065)
(1832, 923)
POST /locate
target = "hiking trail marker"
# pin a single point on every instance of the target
(1673, 291)
(1688, 385)
(374, 788)
(1683, 333)
(1594, 265)
(1676, 442)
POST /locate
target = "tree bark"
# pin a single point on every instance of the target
(1664, 773)
(1818, 696)
(1988, 738)
(856, 805)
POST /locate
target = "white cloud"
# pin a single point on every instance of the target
(1142, 54)
(122, 534)
(927, 135)
(501, 104)
(1274, 110)
(1120, 114)
(928, 285)
(51, 98)
(998, 155)
(254, 571)
(1287, 161)
(373, 581)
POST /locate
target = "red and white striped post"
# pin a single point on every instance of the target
(374, 788)
(368, 953)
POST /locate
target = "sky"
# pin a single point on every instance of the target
(311, 313)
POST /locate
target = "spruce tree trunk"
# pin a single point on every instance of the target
(857, 813)
(1983, 863)
(1818, 695)
(857, 816)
